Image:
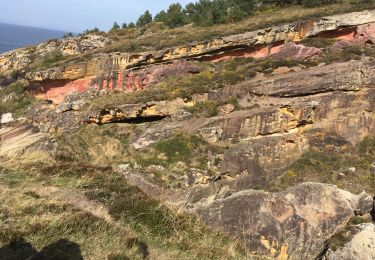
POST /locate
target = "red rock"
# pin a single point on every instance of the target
(56, 91)
(339, 45)
(365, 33)
(295, 52)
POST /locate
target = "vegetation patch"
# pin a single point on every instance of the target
(183, 147)
(345, 235)
(15, 99)
(141, 224)
(334, 168)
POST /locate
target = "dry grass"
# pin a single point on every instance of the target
(332, 168)
(142, 227)
(183, 35)
(137, 40)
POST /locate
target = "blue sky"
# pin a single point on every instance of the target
(77, 15)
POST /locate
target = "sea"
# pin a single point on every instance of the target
(16, 36)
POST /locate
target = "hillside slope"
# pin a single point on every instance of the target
(259, 144)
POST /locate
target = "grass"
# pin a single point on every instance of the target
(157, 38)
(15, 99)
(333, 168)
(143, 226)
(207, 108)
(189, 149)
(183, 35)
(102, 145)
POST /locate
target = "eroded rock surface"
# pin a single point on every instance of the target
(289, 225)
(121, 70)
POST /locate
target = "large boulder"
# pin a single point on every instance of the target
(293, 224)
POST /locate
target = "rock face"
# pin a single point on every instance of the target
(289, 225)
(19, 59)
(361, 246)
(139, 112)
(121, 70)
(14, 140)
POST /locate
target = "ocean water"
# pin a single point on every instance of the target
(15, 36)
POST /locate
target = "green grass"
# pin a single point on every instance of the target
(207, 108)
(159, 39)
(182, 147)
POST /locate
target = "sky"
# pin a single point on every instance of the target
(78, 15)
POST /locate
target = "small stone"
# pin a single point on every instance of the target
(352, 169)
(124, 168)
(211, 134)
(64, 107)
(227, 109)
(155, 168)
(6, 118)
(77, 105)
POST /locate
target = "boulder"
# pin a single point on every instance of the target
(92, 42)
(211, 134)
(293, 224)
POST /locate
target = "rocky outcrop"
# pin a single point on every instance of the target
(19, 59)
(16, 139)
(360, 247)
(141, 112)
(129, 80)
(294, 224)
(122, 70)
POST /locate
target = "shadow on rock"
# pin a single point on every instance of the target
(61, 250)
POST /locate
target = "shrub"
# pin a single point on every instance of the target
(52, 58)
(204, 108)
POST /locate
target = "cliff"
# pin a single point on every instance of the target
(265, 136)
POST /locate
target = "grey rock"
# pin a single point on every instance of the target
(293, 224)
(361, 246)
(211, 134)
(67, 106)
(78, 104)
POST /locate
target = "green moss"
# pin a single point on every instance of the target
(317, 42)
